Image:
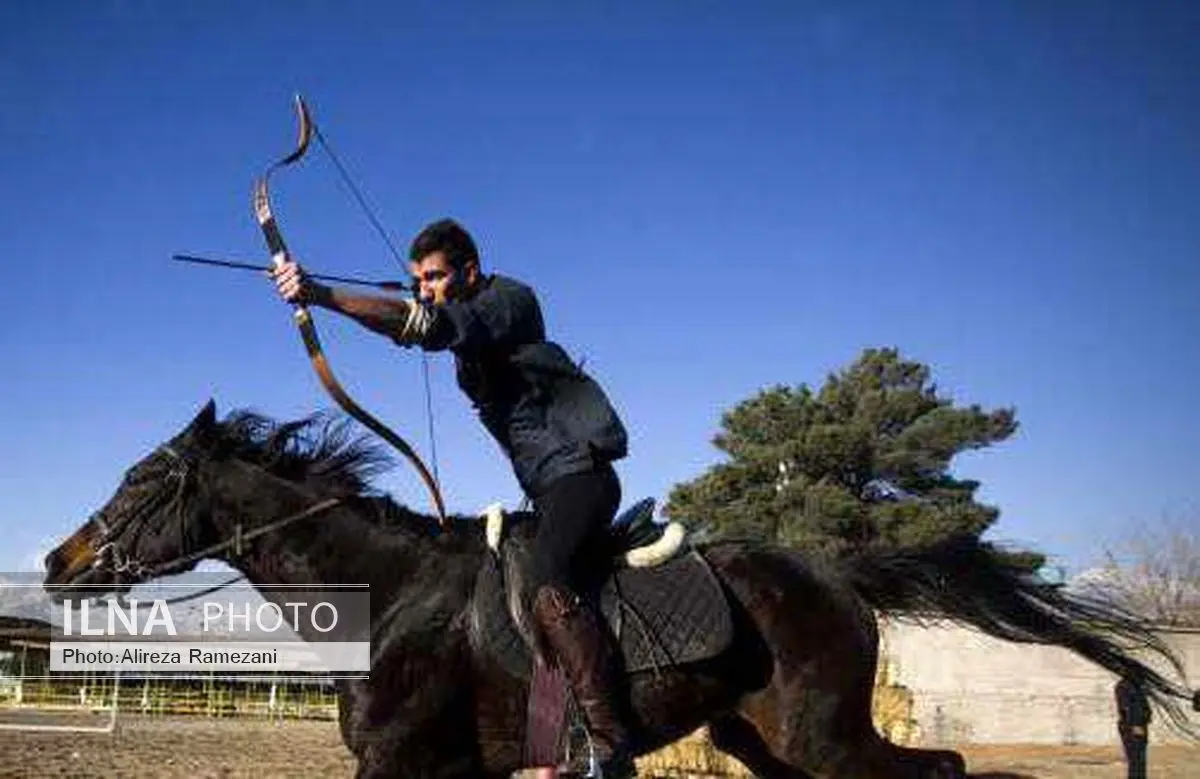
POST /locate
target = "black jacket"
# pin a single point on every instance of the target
(548, 416)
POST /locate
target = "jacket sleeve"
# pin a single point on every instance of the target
(501, 314)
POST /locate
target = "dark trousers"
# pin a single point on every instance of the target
(1135, 753)
(574, 516)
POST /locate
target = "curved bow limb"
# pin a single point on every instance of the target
(308, 329)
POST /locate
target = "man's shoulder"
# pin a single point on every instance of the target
(507, 292)
(505, 306)
(507, 284)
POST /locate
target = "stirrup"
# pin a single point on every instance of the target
(624, 767)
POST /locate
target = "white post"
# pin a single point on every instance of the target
(20, 691)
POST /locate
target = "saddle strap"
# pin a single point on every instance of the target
(546, 715)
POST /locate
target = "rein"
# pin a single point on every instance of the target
(239, 538)
(236, 542)
(191, 595)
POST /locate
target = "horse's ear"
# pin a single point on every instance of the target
(204, 421)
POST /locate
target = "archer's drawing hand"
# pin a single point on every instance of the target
(293, 283)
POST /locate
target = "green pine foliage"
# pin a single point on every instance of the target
(863, 461)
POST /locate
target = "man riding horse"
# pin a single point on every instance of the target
(552, 420)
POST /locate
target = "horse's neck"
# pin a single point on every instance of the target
(338, 546)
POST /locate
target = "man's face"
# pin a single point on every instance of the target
(437, 281)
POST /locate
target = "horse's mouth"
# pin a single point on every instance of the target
(83, 582)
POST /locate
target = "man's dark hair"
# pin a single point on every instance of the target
(446, 236)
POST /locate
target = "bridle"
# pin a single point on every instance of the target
(130, 569)
(171, 494)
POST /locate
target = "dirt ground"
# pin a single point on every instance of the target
(202, 748)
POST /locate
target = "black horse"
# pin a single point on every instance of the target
(782, 674)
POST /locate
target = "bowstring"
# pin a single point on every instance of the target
(348, 182)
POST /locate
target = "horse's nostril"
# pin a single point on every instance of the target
(53, 562)
(58, 563)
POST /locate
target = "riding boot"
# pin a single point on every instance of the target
(582, 651)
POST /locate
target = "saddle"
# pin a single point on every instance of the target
(662, 603)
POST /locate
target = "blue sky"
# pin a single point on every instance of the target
(709, 198)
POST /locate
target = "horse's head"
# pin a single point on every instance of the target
(150, 521)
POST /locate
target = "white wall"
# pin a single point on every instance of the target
(969, 687)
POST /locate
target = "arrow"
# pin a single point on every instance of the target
(389, 285)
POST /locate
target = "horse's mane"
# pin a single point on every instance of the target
(318, 451)
(322, 453)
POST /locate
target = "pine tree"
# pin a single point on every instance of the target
(864, 461)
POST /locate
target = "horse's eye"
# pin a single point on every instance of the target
(141, 474)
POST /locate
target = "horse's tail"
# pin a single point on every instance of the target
(965, 580)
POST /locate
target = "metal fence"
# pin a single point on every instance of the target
(191, 695)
